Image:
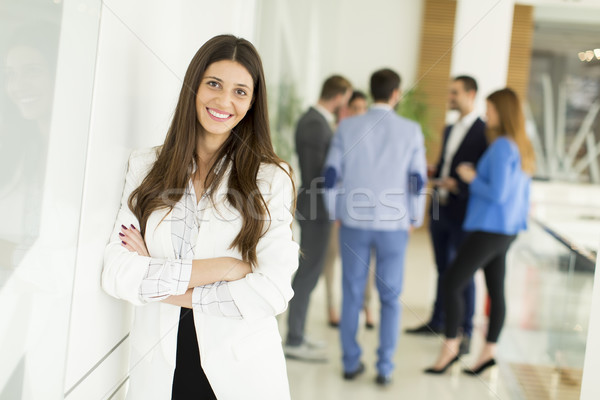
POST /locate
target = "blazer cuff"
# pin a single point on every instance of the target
(165, 278)
(215, 299)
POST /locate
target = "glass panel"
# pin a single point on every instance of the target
(29, 54)
(563, 101)
(46, 78)
(549, 284)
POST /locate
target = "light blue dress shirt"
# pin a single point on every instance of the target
(376, 169)
(499, 195)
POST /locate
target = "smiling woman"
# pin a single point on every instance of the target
(224, 96)
(218, 281)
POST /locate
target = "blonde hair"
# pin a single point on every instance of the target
(511, 123)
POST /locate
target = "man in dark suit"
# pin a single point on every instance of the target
(465, 141)
(313, 135)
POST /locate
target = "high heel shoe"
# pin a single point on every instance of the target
(474, 372)
(441, 370)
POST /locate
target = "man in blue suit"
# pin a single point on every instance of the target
(376, 164)
(464, 141)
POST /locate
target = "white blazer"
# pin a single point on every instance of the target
(243, 359)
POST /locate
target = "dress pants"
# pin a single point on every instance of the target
(314, 240)
(390, 249)
(484, 250)
(446, 237)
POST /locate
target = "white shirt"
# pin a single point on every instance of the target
(328, 115)
(455, 138)
(166, 278)
(382, 106)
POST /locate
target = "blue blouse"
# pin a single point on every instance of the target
(499, 195)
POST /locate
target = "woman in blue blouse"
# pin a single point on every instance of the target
(496, 212)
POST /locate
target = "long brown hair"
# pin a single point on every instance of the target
(248, 145)
(512, 124)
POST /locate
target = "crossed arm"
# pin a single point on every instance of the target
(204, 272)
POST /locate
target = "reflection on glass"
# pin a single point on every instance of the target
(564, 100)
(548, 315)
(29, 67)
(28, 53)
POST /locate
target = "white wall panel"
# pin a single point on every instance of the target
(310, 40)
(483, 27)
(36, 300)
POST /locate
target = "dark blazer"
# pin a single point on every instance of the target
(313, 136)
(470, 150)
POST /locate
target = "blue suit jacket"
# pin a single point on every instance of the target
(499, 200)
(470, 150)
(376, 162)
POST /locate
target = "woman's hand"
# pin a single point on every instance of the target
(466, 172)
(449, 183)
(183, 300)
(132, 240)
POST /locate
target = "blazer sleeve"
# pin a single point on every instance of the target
(417, 180)
(332, 173)
(496, 187)
(440, 163)
(477, 145)
(267, 290)
(313, 143)
(123, 270)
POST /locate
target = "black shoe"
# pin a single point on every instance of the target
(465, 346)
(383, 380)
(424, 329)
(333, 324)
(370, 325)
(441, 370)
(482, 367)
(351, 375)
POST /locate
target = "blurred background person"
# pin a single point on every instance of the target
(464, 141)
(313, 136)
(497, 210)
(357, 105)
(372, 175)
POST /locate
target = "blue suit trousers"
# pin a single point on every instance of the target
(390, 249)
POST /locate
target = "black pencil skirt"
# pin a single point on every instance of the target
(189, 381)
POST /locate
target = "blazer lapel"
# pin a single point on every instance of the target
(466, 144)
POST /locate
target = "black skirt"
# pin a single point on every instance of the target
(189, 381)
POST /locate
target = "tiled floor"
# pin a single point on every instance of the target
(546, 325)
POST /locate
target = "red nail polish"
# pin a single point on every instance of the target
(124, 243)
(123, 226)
(132, 227)
(120, 234)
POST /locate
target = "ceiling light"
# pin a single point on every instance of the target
(589, 55)
(581, 55)
(597, 53)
